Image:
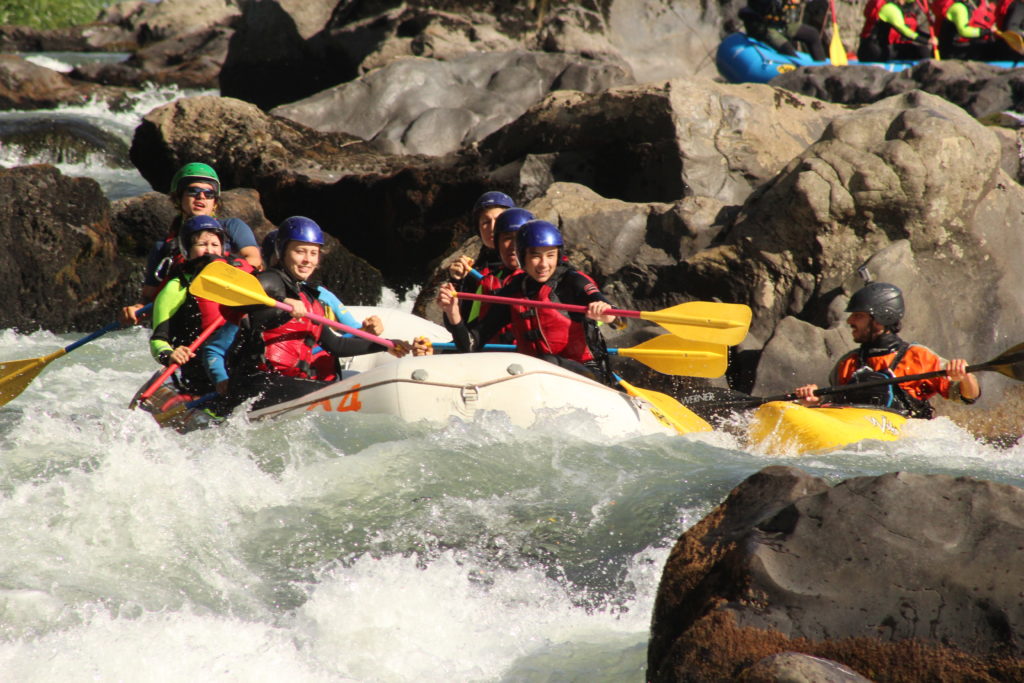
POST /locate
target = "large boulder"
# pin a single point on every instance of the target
(97, 37)
(24, 85)
(899, 577)
(153, 22)
(398, 213)
(912, 182)
(662, 142)
(59, 269)
(426, 106)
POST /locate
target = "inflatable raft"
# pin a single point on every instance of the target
(741, 59)
(791, 429)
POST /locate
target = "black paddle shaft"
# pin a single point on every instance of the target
(1010, 364)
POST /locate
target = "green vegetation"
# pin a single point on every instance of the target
(50, 13)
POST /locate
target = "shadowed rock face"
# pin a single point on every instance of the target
(900, 577)
(59, 264)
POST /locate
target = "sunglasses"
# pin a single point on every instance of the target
(201, 192)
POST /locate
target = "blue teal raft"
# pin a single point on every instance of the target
(741, 59)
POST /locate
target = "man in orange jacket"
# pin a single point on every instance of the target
(876, 313)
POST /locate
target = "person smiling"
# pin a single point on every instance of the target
(274, 354)
(876, 314)
(195, 191)
(570, 340)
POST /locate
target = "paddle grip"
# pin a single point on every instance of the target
(340, 326)
(151, 389)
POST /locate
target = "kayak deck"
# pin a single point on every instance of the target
(790, 428)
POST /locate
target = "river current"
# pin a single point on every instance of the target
(366, 550)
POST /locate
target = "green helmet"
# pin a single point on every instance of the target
(193, 172)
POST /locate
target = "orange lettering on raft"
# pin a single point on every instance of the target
(325, 404)
(350, 401)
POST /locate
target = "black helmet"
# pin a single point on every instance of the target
(884, 302)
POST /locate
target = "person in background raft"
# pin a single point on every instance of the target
(888, 35)
(966, 29)
(570, 340)
(779, 23)
(486, 210)
(273, 354)
(195, 191)
(876, 313)
(178, 317)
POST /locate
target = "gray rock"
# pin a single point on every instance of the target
(426, 106)
(793, 667)
(914, 577)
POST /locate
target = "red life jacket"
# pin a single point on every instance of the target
(871, 11)
(288, 348)
(540, 331)
(987, 14)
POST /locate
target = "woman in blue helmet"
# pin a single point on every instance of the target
(570, 340)
(488, 207)
(274, 356)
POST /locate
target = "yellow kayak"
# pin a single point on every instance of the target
(792, 429)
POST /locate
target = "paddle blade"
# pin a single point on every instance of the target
(670, 411)
(1009, 363)
(671, 355)
(704, 321)
(16, 375)
(1014, 40)
(229, 286)
(836, 51)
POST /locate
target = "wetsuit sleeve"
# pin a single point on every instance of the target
(893, 15)
(168, 301)
(347, 346)
(267, 317)
(959, 15)
(578, 289)
(239, 234)
(215, 351)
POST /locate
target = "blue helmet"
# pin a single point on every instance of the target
(194, 225)
(490, 200)
(299, 229)
(511, 220)
(537, 233)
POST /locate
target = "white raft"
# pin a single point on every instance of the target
(436, 388)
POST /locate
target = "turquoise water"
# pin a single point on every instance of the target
(364, 550)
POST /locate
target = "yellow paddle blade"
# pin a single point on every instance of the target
(836, 51)
(15, 375)
(671, 355)
(670, 411)
(704, 321)
(229, 286)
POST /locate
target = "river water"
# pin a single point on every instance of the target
(370, 550)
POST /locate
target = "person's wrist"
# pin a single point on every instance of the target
(164, 357)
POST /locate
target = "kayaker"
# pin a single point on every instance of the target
(888, 34)
(780, 23)
(570, 340)
(195, 191)
(966, 29)
(876, 314)
(486, 210)
(272, 356)
(178, 317)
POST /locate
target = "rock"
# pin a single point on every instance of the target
(424, 106)
(793, 667)
(662, 142)
(97, 37)
(914, 170)
(192, 60)
(898, 577)
(60, 265)
(24, 85)
(390, 202)
(981, 89)
(154, 22)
